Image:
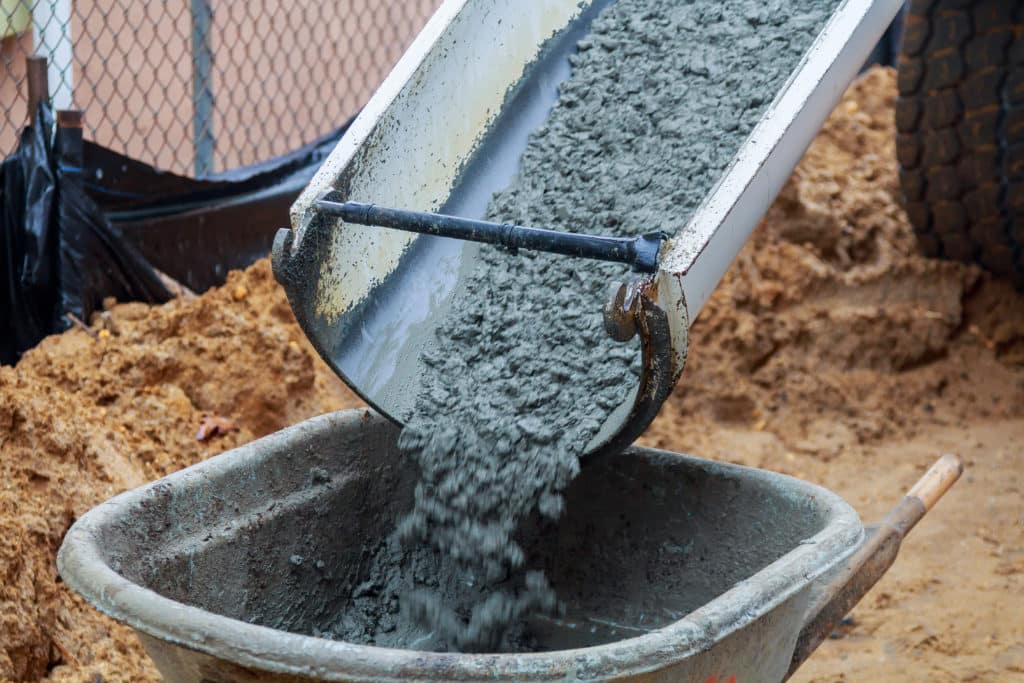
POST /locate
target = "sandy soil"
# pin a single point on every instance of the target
(834, 353)
(82, 419)
(831, 351)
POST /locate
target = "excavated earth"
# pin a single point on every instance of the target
(831, 351)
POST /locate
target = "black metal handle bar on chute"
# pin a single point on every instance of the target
(640, 252)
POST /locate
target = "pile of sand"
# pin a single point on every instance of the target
(829, 329)
(84, 417)
(831, 351)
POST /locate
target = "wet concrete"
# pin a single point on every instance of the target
(521, 374)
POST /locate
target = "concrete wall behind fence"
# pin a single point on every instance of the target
(280, 73)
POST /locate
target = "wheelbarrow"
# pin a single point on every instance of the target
(672, 568)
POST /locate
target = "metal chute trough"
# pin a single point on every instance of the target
(368, 298)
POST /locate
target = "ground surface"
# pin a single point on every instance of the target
(831, 352)
(82, 419)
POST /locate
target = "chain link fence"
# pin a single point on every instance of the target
(199, 86)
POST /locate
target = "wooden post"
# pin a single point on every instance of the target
(38, 85)
(69, 137)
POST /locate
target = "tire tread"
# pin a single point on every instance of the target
(960, 122)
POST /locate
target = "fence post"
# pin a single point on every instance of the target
(202, 87)
(38, 85)
(51, 37)
(69, 139)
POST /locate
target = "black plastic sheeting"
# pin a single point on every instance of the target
(27, 182)
(196, 230)
(81, 223)
(58, 253)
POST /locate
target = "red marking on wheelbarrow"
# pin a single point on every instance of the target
(714, 679)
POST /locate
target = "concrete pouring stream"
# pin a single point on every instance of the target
(522, 375)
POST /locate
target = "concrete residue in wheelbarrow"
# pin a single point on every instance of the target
(522, 375)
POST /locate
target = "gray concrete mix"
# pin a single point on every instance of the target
(522, 375)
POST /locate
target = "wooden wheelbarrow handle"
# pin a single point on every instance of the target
(844, 589)
(936, 481)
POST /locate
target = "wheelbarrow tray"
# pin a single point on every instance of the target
(226, 568)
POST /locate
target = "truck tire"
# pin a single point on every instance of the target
(960, 130)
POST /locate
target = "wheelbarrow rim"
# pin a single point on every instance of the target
(83, 567)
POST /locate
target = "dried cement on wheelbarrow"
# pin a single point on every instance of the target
(522, 374)
(832, 351)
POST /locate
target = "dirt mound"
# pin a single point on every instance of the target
(830, 329)
(90, 413)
